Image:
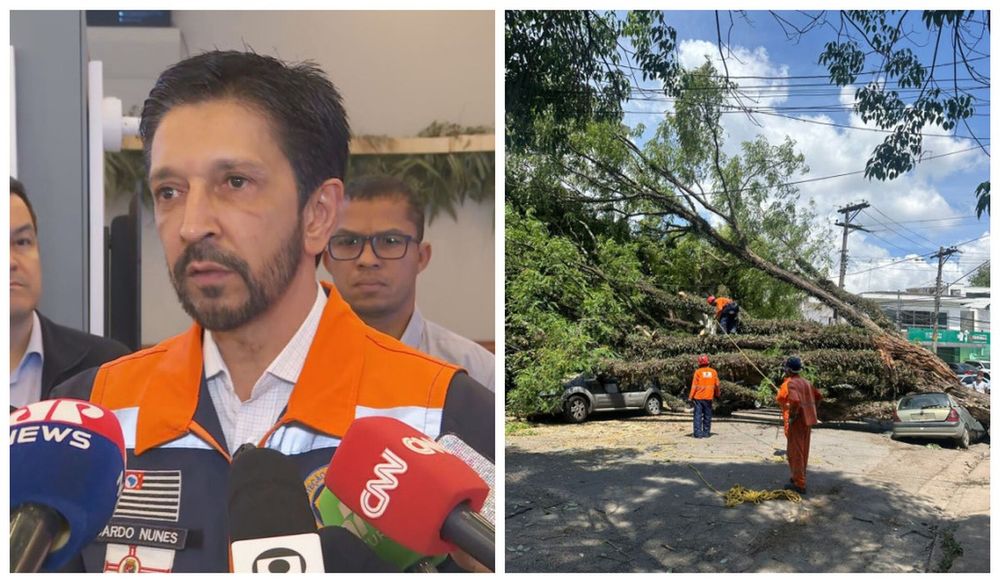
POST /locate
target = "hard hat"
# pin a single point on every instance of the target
(711, 299)
(793, 364)
(703, 360)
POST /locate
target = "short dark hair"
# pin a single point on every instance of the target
(17, 189)
(304, 108)
(383, 186)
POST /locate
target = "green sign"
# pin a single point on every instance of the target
(948, 336)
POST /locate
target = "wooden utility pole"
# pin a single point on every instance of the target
(942, 256)
(850, 212)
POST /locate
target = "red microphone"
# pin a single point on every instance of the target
(411, 489)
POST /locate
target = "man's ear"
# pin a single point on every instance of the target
(423, 255)
(319, 218)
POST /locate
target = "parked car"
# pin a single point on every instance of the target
(935, 416)
(983, 365)
(960, 368)
(586, 394)
(970, 380)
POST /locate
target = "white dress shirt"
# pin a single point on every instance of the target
(441, 342)
(26, 379)
(248, 421)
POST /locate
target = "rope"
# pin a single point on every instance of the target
(738, 494)
(747, 358)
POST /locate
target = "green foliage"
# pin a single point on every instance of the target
(879, 37)
(983, 198)
(443, 181)
(559, 319)
(982, 276)
(566, 65)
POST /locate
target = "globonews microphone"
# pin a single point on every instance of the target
(271, 525)
(412, 490)
(67, 461)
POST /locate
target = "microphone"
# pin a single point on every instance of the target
(454, 445)
(334, 513)
(271, 526)
(67, 461)
(345, 553)
(411, 489)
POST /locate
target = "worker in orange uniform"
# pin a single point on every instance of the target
(704, 387)
(798, 399)
(727, 313)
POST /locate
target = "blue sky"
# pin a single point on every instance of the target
(911, 216)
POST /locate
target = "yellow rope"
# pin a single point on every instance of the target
(738, 494)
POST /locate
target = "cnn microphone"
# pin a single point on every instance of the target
(408, 487)
(271, 525)
(67, 460)
(334, 513)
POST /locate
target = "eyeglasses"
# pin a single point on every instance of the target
(384, 246)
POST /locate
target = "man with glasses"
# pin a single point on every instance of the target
(375, 254)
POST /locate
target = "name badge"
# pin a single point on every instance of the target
(131, 533)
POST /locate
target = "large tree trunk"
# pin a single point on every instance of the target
(685, 204)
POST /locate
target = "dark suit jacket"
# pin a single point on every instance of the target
(67, 351)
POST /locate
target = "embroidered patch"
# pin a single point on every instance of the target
(314, 486)
(131, 533)
(137, 559)
(150, 495)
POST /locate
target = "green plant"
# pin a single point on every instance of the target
(443, 181)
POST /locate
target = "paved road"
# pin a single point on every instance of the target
(620, 494)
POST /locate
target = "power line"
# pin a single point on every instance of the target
(866, 129)
(918, 256)
(907, 229)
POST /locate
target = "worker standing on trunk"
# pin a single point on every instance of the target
(798, 399)
(704, 387)
(727, 313)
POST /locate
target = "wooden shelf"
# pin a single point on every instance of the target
(364, 145)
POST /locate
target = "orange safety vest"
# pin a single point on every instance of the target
(350, 371)
(349, 365)
(720, 303)
(705, 384)
(798, 397)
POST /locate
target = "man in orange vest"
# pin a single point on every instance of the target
(704, 387)
(798, 399)
(727, 313)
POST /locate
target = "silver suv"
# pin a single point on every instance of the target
(585, 394)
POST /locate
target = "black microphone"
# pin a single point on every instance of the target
(271, 524)
(345, 553)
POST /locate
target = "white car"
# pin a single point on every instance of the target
(970, 379)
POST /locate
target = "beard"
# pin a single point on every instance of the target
(263, 289)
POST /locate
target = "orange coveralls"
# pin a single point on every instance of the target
(798, 399)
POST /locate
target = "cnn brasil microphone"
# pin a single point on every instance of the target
(67, 460)
(271, 524)
(411, 489)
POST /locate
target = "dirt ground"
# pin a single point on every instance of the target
(620, 493)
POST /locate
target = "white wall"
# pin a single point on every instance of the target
(397, 72)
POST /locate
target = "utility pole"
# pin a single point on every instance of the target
(899, 310)
(850, 212)
(942, 256)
